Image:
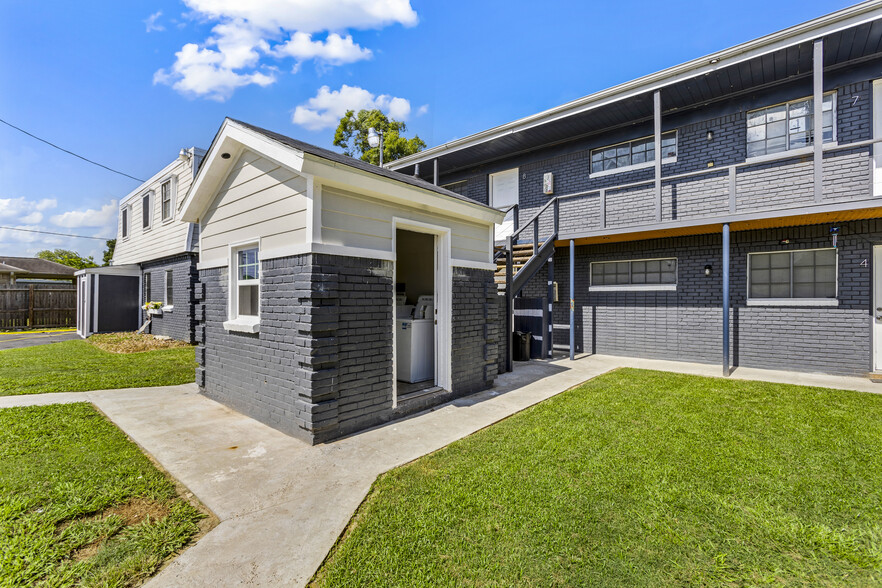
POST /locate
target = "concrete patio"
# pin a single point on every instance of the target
(282, 503)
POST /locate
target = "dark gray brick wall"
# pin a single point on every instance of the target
(476, 330)
(760, 187)
(321, 365)
(178, 323)
(686, 324)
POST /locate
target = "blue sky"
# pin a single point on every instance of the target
(129, 84)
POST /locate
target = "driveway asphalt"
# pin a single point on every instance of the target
(282, 503)
(29, 339)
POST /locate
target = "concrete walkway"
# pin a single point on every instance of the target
(281, 503)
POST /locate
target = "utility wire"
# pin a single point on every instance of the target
(69, 152)
(53, 233)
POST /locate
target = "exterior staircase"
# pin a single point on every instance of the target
(521, 254)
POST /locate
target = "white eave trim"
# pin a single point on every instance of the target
(807, 31)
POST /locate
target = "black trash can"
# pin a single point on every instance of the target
(521, 345)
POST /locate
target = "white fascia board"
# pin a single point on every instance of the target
(808, 31)
(233, 139)
(131, 269)
(167, 170)
(348, 178)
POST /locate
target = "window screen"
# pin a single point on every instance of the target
(793, 274)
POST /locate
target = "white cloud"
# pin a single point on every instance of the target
(30, 215)
(151, 23)
(247, 32)
(324, 110)
(18, 209)
(73, 219)
(335, 50)
(201, 72)
(423, 110)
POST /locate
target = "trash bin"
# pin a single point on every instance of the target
(521, 342)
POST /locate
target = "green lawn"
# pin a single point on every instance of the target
(637, 478)
(80, 504)
(76, 366)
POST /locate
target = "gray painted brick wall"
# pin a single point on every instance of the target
(687, 324)
(321, 365)
(178, 323)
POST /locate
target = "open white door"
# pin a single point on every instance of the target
(504, 193)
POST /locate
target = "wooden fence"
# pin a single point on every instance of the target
(36, 306)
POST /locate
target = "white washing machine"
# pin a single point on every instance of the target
(415, 344)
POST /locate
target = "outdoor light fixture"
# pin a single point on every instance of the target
(225, 155)
(375, 139)
(710, 135)
(184, 155)
(785, 241)
(708, 269)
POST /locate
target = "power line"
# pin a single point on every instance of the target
(69, 152)
(54, 233)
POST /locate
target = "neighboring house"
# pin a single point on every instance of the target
(30, 269)
(154, 260)
(324, 280)
(703, 192)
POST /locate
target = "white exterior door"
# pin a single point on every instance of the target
(504, 193)
(877, 308)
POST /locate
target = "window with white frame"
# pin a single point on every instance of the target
(169, 288)
(631, 154)
(790, 125)
(125, 218)
(147, 288)
(247, 283)
(166, 199)
(636, 273)
(788, 275)
(145, 211)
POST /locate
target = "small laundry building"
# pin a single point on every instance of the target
(326, 284)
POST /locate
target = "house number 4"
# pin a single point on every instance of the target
(865, 263)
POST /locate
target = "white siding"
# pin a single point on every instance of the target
(162, 239)
(353, 220)
(258, 200)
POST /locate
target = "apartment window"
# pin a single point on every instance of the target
(792, 275)
(169, 288)
(636, 153)
(788, 126)
(147, 288)
(646, 274)
(165, 190)
(125, 215)
(145, 211)
(247, 282)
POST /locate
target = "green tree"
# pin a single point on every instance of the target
(68, 258)
(352, 136)
(108, 253)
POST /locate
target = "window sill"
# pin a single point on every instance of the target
(168, 308)
(635, 288)
(249, 324)
(627, 168)
(793, 302)
(802, 151)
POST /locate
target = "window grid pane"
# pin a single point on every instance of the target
(249, 267)
(632, 153)
(169, 287)
(651, 272)
(166, 200)
(147, 288)
(787, 126)
(793, 274)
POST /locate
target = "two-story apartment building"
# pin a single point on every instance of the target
(154, 260)
(696, 213)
